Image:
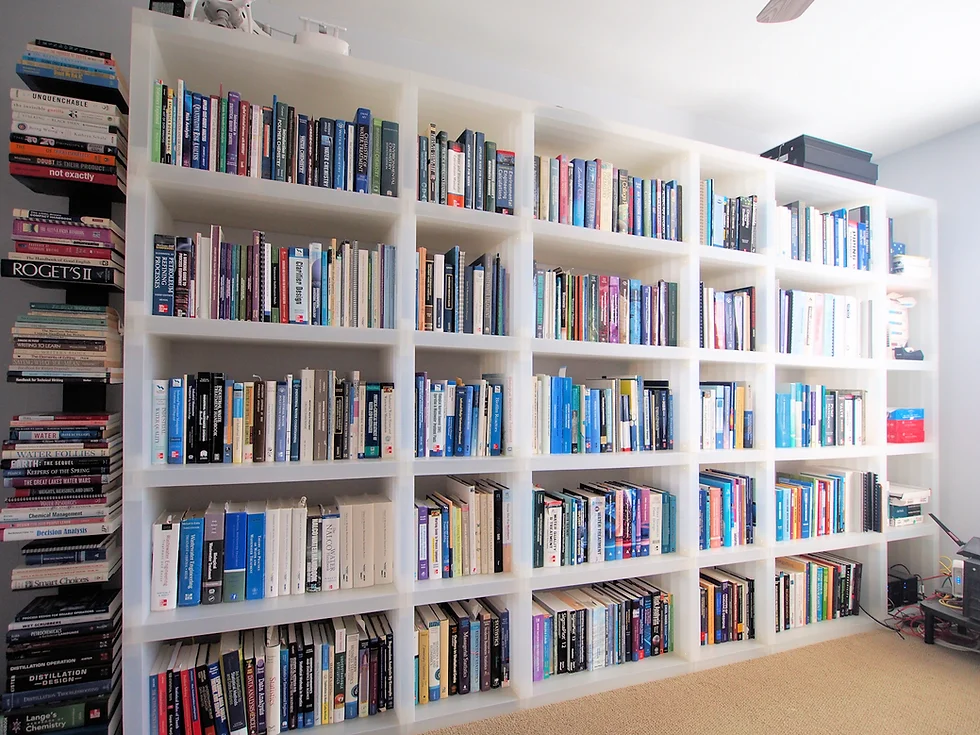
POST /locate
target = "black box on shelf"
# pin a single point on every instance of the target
(822, 155)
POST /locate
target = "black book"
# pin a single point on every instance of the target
(204, 440)
(293, 683)
(231, 673)
(190, 413)
(496, 653)
(258, 422)
(53, 646)
(67, 605)
(454, 650)
(60, 658)
(39, 270)
(205, 702)
(389, 158)
(217, 438)
(290, 143)
(34, 680)
(74, 145)
(308, 660)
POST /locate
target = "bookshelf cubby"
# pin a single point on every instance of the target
(169, 199)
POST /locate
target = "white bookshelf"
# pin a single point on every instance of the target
(169, 199)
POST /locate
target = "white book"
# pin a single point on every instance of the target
(477, 301)
(435, 541)
(362, 557)
(178, 124)
(465, 492)
(272, 545)
(330, 554)
(387, 422)
(384, 534)
(270, 420)
(297, 561)
(352, 673)
(203, 287)
(346, 511)
(298, 281)
(284, 574)
(438, 290)
(337, 635)
(213, 111)
(159, 427)
(436, 420)
(317, 637)
(255, 125)
(483, 419)
(289, 413)
(376, 282)
(552, 535)
(362, 288)
(306, 414)
(63, 113)
(165, 540)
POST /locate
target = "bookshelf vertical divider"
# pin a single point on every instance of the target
(161, 197)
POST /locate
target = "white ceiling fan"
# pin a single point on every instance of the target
(781, 11)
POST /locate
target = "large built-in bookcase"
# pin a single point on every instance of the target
(169, 199)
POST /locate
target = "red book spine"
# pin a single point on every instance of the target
(23, 227)
(283, 288)
(23, 499)
(75, 251)
(563, 190)
(257, 277)
(243, 130)
(69, 481)
(62, 174)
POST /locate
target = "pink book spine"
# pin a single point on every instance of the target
(563, 190)
(72, 232)
(614, 309)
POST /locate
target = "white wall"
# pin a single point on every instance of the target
(946, 170)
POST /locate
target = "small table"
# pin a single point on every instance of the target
(934, 609)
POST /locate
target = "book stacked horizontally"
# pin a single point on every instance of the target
(905, 504)
(66, 343)
(58, 248)
(64, 475)
(55, 562)
(70, 127)
(63, 665)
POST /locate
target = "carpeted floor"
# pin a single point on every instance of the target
(873, 683)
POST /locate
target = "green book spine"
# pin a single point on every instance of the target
(647, 209)
(242, 277)
(157, 121)
(234, 281)
(223, 135)
(376, 155)
(672, 314)
(490, 190)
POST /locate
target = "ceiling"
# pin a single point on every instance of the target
(881, 75)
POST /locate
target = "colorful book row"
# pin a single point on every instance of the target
(454, 418)
(727, 510)
(818, 416)
(454, 297)
(469, 172)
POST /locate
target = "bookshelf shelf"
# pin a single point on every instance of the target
(210, 619)
(825, 630)
(919, 530)
(170, 199)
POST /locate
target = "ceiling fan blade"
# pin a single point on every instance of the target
(781, 11)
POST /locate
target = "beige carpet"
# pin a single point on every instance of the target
(872, 683)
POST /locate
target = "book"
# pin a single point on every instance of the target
(727, 606)
(812, 588)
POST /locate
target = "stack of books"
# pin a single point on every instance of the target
(624, 414)
(64, 664)
(840, 238)
(817, 416)
(64, 472)
(825, 501)
(55, 562)
(461, 647)
(824, 324)
(454, 418)
(465, 530)
(66, 343)
(337, 285)
(58, 248)
(70, 128)
(469, 172)
(727, 606)
(586, 307)
(905, 504)
(912, 266)
(225, 133)
(454, 297)
(727, 416)
(602, 521)
(211, 418)
(231, 552)
(727, 510)
(282, 678)
(728, 222)
(599, 626)
(816, 587)
(728, 318)
(597, 195)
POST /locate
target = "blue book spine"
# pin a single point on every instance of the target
(436, 387)
(302, 132)
(780, 531)
(720, 416)
(316, 285)
(727, 517)
(578, 192)
(554, 416)
(196, 130)
(596, 418)
(637, 205)
(255, 571)
(590, 194)
(187, 128)
(282, 405)
(420, 417)
(227, 448)
(325, 318)
(362, 168)
(609, 530)
(450, 428)
(273, 140)
(42, 57)
(217, 688)
(284, 688)
(164, 268)
(496, 418)
(546, 636)
(461, 410)
(646, 296)
(566, 435)
(205, 132)
(340, 155)
(296, 410)
(76, 75)
(467, 421)
(154, 703)
(175, 422)
(635, 306)
(447, 559)
(191, 548)
(236, 551)
(231, 158)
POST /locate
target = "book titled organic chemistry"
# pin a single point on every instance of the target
(452, 296)
(607, 414)
(469, 172)
(587, 307)
(727, 513)
(602, 521)
(225, 133)
(454, 418)
(600, 196)
(230, 552)
(335, 284)
(815, 587)
(598, 626)
(467, 529)
(727, 416)
(727, 606)
(314, 415)
(273, 680)
(823, 501)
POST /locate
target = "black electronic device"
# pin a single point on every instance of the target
(902, 590)
(822, 155)
(970, 551)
